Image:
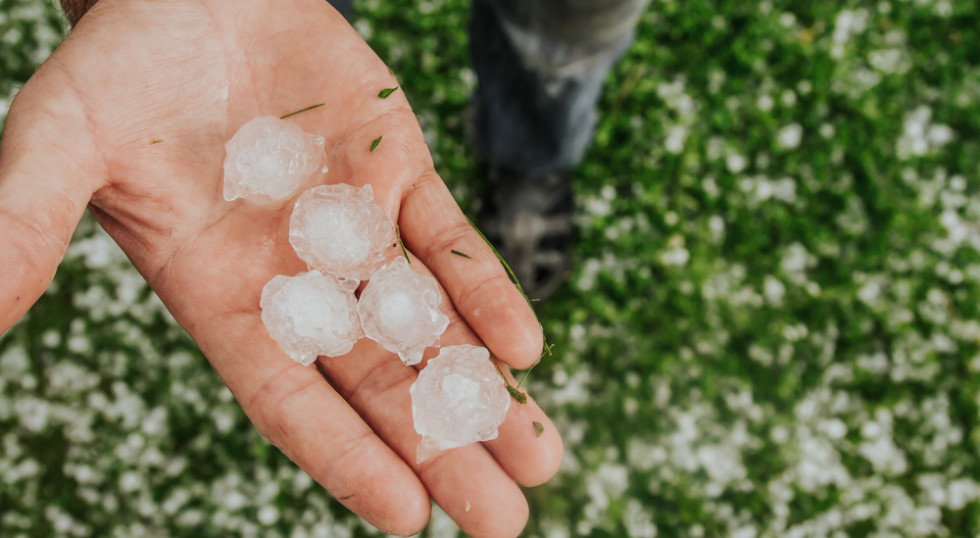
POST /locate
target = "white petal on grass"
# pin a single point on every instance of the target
(735, 163)
(676, 137)
(789, 137)
(765, 102)
(675, 256)
(773, 289)
(939, 135)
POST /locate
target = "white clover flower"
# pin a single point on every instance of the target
(735, 163)
(789, 137)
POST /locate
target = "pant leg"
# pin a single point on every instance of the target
(540, 67)
(345, 7)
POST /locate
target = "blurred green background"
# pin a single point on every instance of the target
(772, 328)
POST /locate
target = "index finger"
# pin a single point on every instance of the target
(434, 228)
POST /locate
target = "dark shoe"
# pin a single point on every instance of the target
(529, 221)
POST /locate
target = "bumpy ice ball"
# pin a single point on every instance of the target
(459, 398)
(311, 314)
(269, 160)
(399, 309)
(340, 230)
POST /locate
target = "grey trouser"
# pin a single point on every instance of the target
(540, 67)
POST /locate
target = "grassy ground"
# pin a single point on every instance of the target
(772, 328)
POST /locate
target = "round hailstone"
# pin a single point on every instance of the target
(399, 309)
(340, 230)
(270, 160)
(311, 314)
(459, 398)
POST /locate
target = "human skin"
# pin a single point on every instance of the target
(128, 118)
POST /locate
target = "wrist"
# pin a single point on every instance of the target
(74, 9)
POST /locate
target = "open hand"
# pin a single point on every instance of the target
(129, 118)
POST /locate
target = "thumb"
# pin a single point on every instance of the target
(49, 168)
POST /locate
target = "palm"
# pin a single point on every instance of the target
(146, 93)
(188, 95)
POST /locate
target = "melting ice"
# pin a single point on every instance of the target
(311, 314)
(340, 230)
(399, 309)
(459, 398)
(269, 160)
